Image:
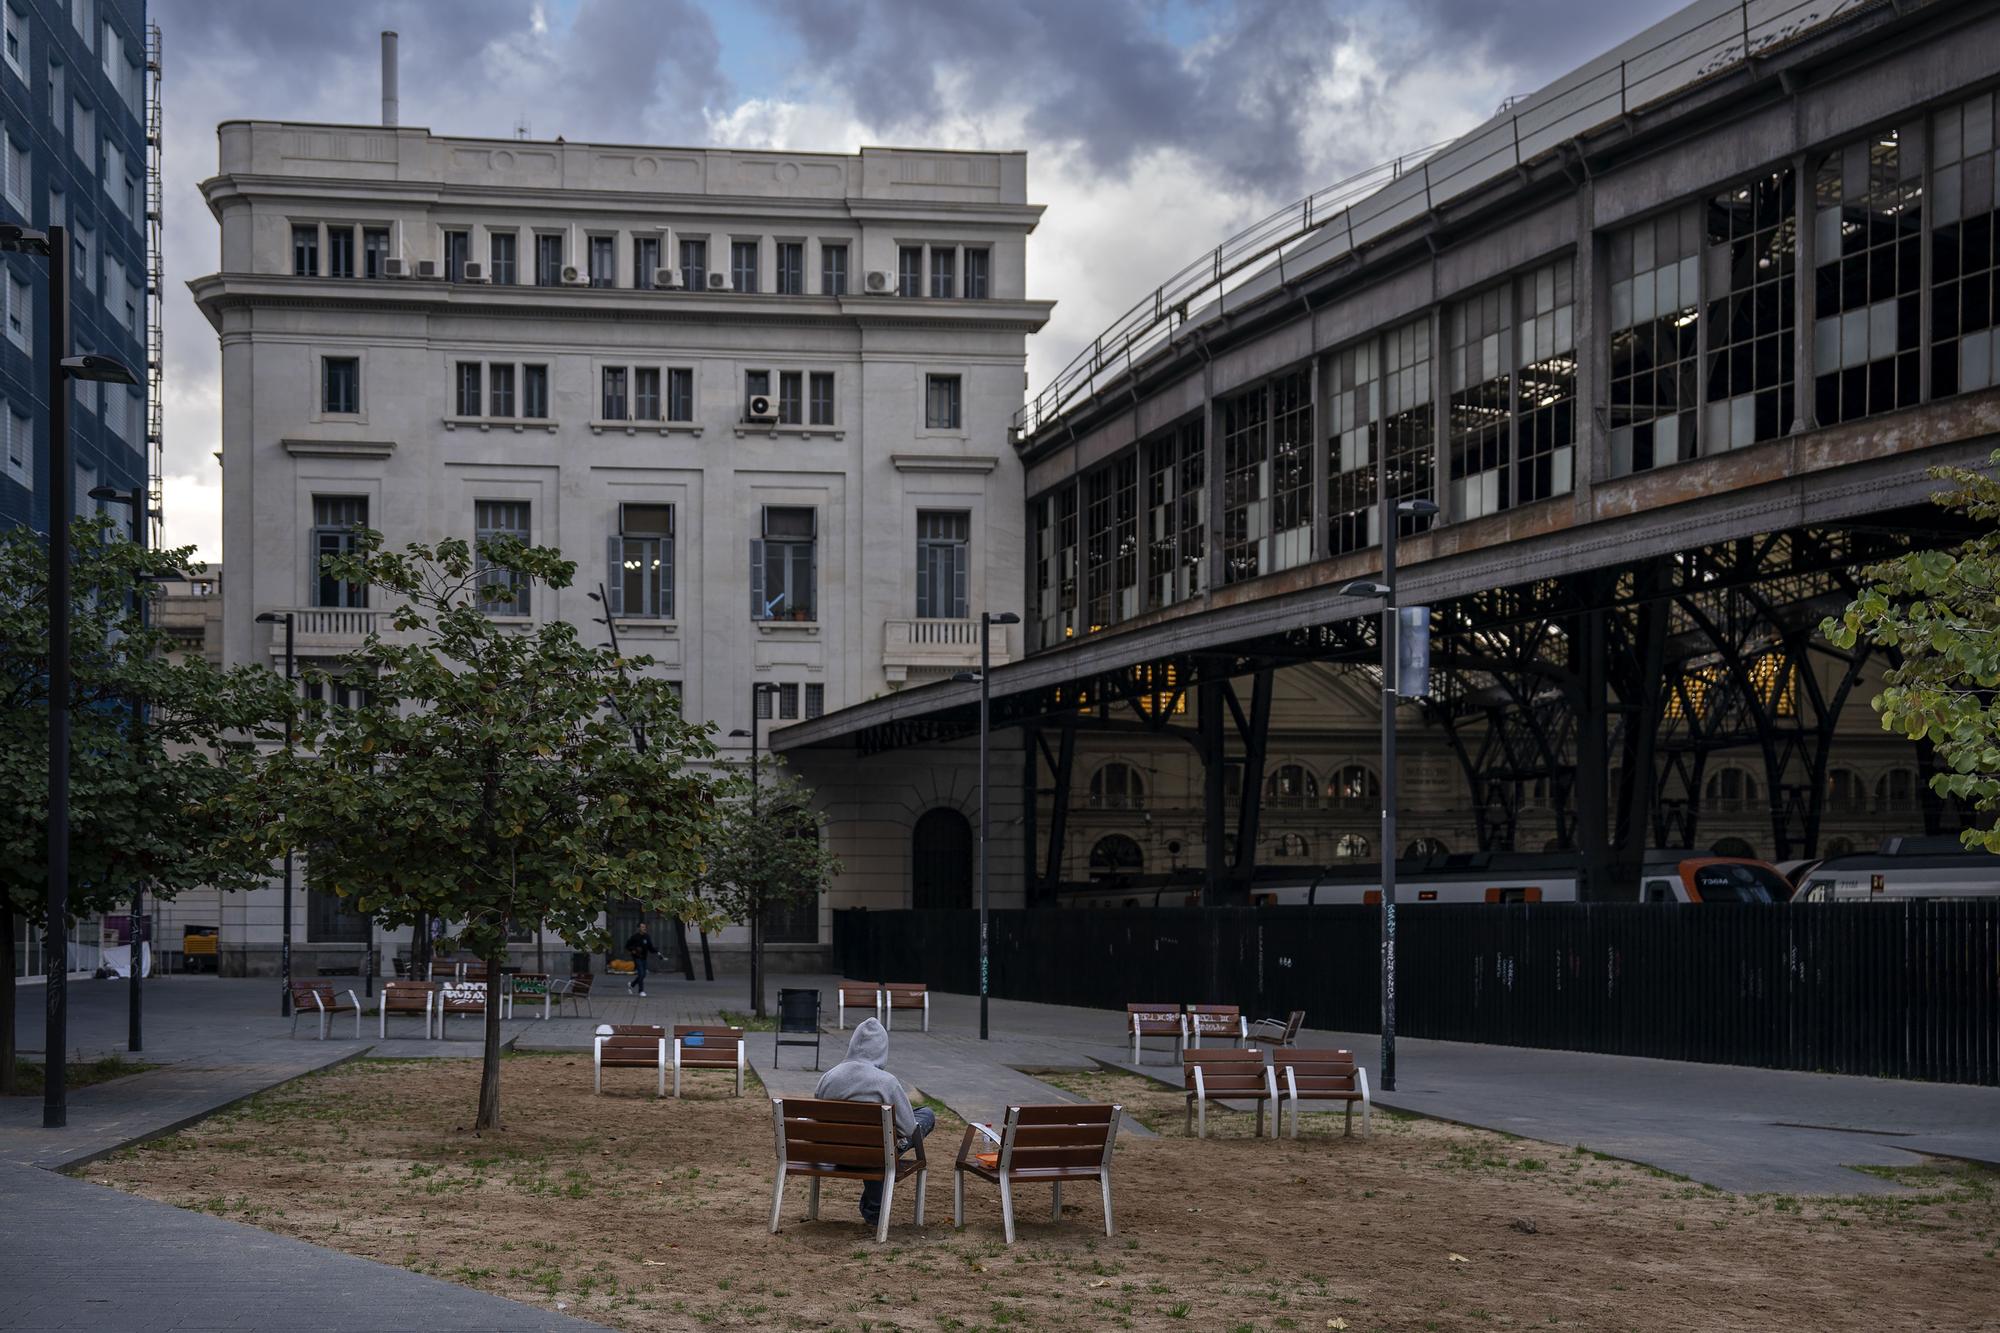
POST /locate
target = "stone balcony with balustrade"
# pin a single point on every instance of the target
(927, 649)
(328, 631)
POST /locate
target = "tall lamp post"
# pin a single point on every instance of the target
(136, 500)
(758, 691)
(987, 620)
(53, 245)
(285, 947)
(1392, 514)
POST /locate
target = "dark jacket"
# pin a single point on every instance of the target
(640, 944)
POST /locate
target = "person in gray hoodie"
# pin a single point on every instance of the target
(861, 1078)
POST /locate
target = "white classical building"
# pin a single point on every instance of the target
(762, 396)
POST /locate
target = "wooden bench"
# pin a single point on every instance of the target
(1217, 1021)
(1278, 1031)
(531, 985)
(631, 1046)
(1155, 1020)
(1237, 1076)
(1324, 1076)
(1040, 1143)
(904, 995)
(456, 995)
(717, 1047)
(406, 997)
(857, 994)
(319, 997)
(574, 988)
(843, 1141)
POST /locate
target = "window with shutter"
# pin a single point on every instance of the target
(943, 560)
(335, 518)
(503, 592)
(641, 557)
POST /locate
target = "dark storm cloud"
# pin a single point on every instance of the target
(1100, 75)
(1545, 38)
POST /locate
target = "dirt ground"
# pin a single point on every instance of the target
(646, 1214)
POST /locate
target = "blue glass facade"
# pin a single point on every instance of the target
(73, 151)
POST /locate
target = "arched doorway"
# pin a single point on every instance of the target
(941, 860)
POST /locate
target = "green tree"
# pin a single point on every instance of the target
(489, 776)
(768, 850)
(1938, 612)
(145, 802)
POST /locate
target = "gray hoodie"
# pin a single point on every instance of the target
(861, 1078)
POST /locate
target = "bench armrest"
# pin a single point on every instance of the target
(965, 1145)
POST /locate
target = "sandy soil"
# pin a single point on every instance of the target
(646, 1214)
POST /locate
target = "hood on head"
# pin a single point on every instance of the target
(870, 1043)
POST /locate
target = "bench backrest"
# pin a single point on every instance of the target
(719, 1044)
(306, 993)
(853, 993)
(461, 996)
(579, 983)
(1226, 1073)
(904, 994)
(1319, 1071)
(798, 1009)
(630, 1043)
(1153, 1020)
(1059, 1135)
(857, 1135)
(1216, 1017)
(529, 983)
(414, 995)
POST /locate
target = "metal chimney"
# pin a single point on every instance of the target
(389, 99)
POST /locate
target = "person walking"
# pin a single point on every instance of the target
(641, 947)
(862, 1078)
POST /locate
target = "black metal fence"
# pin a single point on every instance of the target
(1908, 990)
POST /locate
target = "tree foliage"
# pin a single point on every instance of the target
(146, 802)
(769, 850)
(489, 775)
(1938, 613)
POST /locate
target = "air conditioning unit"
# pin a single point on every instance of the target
(878, 281)
(395, 268)
(667, 279)
(762, 407)
(572, 276)
(427, 268)
(472, 271)
(718, 282)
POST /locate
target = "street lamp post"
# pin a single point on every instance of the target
(759, 690)
(53, 245)
(136, 499)
(987, 620)
(285, 947)
(1392, 514)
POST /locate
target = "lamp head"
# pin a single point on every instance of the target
(274, 618)
(764, 687)
(23, 240)
(593, 597)
(965, 678)
(1365, 588)
(739, 734)
(101, 369)
(111, 493)
(1421, 508)
(1004, 618)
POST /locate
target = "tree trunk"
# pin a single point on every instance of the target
(681, 935)
(707, 963)
(489, 1073)
(420, 949)
(757, 963)
(8, 994)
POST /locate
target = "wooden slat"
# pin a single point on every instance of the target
(1058, 1136)
(637, 1030)
(836, 1154)
(1085, 1113)
(1029, 1158)
(1054, 1173)
(823, 1131)
(816, 1108)
(832, 1171)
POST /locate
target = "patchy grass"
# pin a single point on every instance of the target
(28, 1078)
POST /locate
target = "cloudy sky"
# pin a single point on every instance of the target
(1154, 128)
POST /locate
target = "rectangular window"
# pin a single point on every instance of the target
(58, 208)
(680, 394)
(646, 393)
(791, 268)
(910, 270)
(1479, 420)
(788, 397)
(335, 518)
(1545, 392)
(114, 173)
(1176, 510)
(1748, 278)
(833, 270)
(604, 261)
(944, 276)
(340, 252)
(645, 261)
(548, 260)
(788, 701)
(83, 136)
(375, 252)
(503, 390)
(502, 592)
(469, 389)
(1965, 353)
(84, 15)
(612, 406)
(941, 406)
(84, 243)
(978, 271)
(20, 316)
(1246, 499)
(642, 562)
(21, 448)
(821, 411)
(1867, 278)
(1655, 317)
(694, 265)
(1291, 469)
(17, 41)
(743, 265)
(944, 544)
(457, 249)
(58, 96)
(502, 257)
(340, 384)
(815, 699)
(784, 566)
(305, 252)
(1056, 566)
(1111, 544)
(18, 173)
(535, 392)
(756, 384)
